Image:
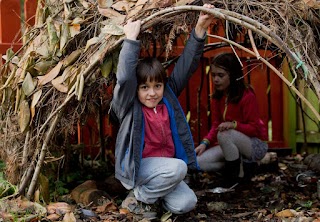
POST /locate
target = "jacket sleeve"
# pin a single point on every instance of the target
(126, 86)
(187, 63)
(250, 123)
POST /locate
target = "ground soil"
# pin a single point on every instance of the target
(284, 190)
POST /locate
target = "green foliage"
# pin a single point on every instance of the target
(6, 188)
(308, 204)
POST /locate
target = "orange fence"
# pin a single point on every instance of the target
(13, 18)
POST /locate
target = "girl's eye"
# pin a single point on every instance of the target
(220, 75)
(143, 87)
(159, 85)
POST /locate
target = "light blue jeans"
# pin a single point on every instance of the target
(161, 178)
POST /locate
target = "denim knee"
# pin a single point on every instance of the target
(179, 170)
(186, 203)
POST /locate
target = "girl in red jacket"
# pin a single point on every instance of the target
(237, 134)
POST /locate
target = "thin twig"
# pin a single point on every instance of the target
(42, 155)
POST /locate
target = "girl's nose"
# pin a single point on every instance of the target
(152, 92)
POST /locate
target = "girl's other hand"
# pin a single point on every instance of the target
(200, 149)
(225, 126)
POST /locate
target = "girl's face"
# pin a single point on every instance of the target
(221, 79)
(150, 93)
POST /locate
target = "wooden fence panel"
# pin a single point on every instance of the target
(11, 22)
(30, 7)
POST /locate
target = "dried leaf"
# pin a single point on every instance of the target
(166, 216)
(138, 7)
(77, 20)
(43, 48)
(74, 30)
(67, 72)
(66, 11)
(59, 207)
(91, 42)
(110, 13)
(85, 4)
(122, 6)
(35, 98)
(42, 66)
(58, 84)
(28, 85)
(286, 213)
(312, 3)
(64, 35)
(24, 116)
(12, 74)
(50, 75)
(9, 53)
(52, 32)
(14, 60)
(105, 3)
(80, 87)
(183, 2)
(70, 59)
(6, 97)
(69, 217)
(112, 29)
(17, 102)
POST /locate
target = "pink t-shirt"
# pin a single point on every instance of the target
(158, 137)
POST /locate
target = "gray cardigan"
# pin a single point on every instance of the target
(128, 110)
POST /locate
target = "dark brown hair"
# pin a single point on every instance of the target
(230, 63)
(152, 69)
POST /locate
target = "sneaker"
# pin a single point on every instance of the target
(137, 207)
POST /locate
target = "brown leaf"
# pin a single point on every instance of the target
(183, 2)
(28, 85)
(112, 14)
(138, 7)
(286, 213)
(105, 3)
(107, 207)
(24, 115)
(59, 208)
(58, 84)
(69, 217)
(122, 6)
(74, 29)
(50, 75)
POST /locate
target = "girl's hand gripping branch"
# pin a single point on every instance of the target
(204, 21)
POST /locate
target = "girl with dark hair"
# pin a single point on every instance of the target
(154, 146)
(237, 134)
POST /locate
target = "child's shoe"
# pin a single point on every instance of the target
(138, 208)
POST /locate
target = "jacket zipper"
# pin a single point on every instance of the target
(162, 130)
(225, 108)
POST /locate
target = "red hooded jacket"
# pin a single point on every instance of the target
(245, 113)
